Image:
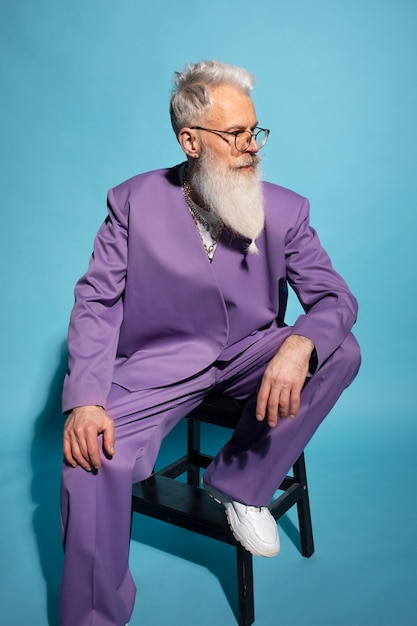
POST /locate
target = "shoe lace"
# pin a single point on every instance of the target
(253, 509)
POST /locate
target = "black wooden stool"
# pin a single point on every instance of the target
(189, 506)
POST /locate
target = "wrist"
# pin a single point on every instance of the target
(303, 343)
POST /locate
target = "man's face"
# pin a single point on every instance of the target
(231, 110)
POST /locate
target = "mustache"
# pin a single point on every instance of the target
(248, 160)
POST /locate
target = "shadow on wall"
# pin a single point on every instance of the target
(46, 458)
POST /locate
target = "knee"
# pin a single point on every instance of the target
(349, 355)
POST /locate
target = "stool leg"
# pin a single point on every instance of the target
(303, 508)
(193, 446)
(245, 586)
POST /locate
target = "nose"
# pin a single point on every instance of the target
(253, 147)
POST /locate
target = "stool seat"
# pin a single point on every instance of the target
(188, 505)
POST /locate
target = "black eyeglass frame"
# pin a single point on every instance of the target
(236, 133)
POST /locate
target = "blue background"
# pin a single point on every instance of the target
(84, 105)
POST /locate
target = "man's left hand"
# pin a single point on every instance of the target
(283, 379)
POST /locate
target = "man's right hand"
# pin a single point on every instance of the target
(81, 431)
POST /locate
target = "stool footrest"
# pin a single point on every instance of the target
(185, 463)
(192, 508)
(183, 505)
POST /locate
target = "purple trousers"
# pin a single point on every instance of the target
(97, 588)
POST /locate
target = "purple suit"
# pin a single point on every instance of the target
(154, 328)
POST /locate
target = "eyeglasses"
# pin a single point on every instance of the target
(243, 138)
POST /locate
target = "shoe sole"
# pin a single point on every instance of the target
(240, 532)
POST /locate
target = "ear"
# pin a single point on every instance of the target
(189, 142)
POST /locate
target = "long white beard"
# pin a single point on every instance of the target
(233, 195)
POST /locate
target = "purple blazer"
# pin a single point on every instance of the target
(151, 310)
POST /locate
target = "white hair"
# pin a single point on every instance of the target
(191, 94)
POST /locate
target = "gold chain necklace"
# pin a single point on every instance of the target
(215, 230)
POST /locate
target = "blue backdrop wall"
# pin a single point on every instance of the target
(84, 100)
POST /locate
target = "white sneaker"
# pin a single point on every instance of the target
(253, 526)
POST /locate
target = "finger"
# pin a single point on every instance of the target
(284, 402)
(272, 415)
(294, 404)
(77, 455)
(273, 407)
(92, 451)
(262, 400)
(108, 439)
(68, 453)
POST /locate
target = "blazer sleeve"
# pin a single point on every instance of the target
(97, 314)
(330, 308)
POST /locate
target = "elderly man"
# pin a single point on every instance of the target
(185, 294)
